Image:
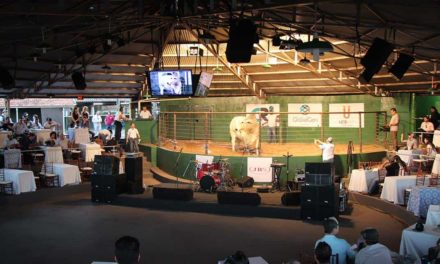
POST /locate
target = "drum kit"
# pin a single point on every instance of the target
(215, 176)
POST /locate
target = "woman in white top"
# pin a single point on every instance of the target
(97, 121)
(132, 138)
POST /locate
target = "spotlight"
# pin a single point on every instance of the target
(304, 62)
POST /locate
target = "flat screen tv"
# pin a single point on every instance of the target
(170, 83)
(203, 84)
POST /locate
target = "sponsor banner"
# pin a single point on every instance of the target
(262, 111)
(259, 169)
(304, 119)
(349, 116)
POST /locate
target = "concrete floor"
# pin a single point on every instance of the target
(62, 226)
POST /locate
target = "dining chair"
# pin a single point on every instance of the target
(6, 187)
(50, 179)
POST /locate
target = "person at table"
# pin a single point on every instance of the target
(36, 124)
(20, 128)
(338, 245)
(53, 140)
(434, 117)
(427, 128)
(50, 124)
(132, 138)
(145, 113)
(97, 121)
(10, 142)
(105, 135)
(394, 126)
(411, 142)
(85, 117)
(75, 117)
(370, 250)
(430, 150)
(119, 118)
(109, 119)
(8, 124)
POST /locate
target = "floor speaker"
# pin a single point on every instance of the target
(241, 198)
(245, 182)
(133, 170)
(291, 198)
(106, 165)
(172, 191)
(319, 202)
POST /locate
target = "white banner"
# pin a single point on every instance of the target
(263, 110)
(202, 159)
(349, 116)
(259, 169)
(304, 119)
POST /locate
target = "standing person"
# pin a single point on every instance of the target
(427, 128)
(2, 117)
(74, 117)
(145, 114)
(435, 117)
(394, 126)
(132, 138)
(85, 117)
(272, 121)
(109, 118)
(119, 118)
(36, 124)
(97, 121)
(328, 149)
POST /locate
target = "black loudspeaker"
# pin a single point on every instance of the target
(241, 198)
(401, 65)
(106, 165)
(105, 188)
(170, 191)
(242, 34)
(133, 169)
(245, 182)
(79, 81)
(6, 79)
(318, 173)
(376, 55)
(291, 198)
(319, 202)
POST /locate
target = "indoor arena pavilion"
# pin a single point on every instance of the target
(220, 131)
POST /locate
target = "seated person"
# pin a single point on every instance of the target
(145, 114)
(20, 128)
(323, 253)
(7, 124)
(238, 258)
(29, 141)
(430, 150)
(370, 250)
(50, 124)
(411, 142)
(10, 142)
(127, 250)
(427, 127)
(53, 141)
(36, 124)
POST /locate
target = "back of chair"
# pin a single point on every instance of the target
(2, 174)
(420, 179)
(47, 168)
(434, 180)
(334, 259)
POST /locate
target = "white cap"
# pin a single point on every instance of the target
(330, 140)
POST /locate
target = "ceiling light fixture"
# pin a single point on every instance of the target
(315, 47)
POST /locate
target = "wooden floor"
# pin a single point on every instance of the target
(298, 149)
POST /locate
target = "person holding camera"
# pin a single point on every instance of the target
(370, 251)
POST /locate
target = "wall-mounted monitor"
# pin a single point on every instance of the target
(170, 83)
(203, 84)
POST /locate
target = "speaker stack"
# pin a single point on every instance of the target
(106, 181)
(375, 57)
(242, 34)
(319, 196)
(133, 170)
(79, 81)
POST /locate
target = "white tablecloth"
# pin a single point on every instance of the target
(433, 217)
(42, 135)
(408, 155)
(89, 151)
(12, 156)
(53, 154)
(436, 138)
(3, 136)
(68, 174)
(23, 181)
(361, 180)
(418, 243)
(394, 187)
(436, 165)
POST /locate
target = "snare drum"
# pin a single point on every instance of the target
(209, 183)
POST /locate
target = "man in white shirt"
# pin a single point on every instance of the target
(373, 252)
(412, 142)
(50, 124)
(328, 149)
(97, 122)
(132, 138)
(11, 142)
(394, 126)
(338, 245)
(20, 127)
(145, 114)
(272, 121)
(427, 127)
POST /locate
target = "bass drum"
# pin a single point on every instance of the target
(209, 183)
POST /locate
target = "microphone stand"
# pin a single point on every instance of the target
(287, 170)
(176, 165)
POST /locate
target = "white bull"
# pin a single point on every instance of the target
(245, 130)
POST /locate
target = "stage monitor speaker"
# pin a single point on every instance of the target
(375, 57)
(318, 173)
(6, 79)
(291, 198)
(242, 34)
(241, 198)
(106, 165)
(105, 188)
(172, 191)
(319, 202)
(245, 182)
(133, 169)
(401, 65)
(79, 81)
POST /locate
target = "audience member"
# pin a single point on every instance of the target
(85, 117)
(145, 113)
(238, 258)
(2, 116)
(127, 250)
(97, 121)
(74, 117)
(11, 142)
(394, 126)
(20, 128)
(50, 124)
(411, 142)
(339, 246)
(8, 124)
(430, 150)
(132, 138)
(370, 250)
(53, 141)
(36, 124)
(427, 128)
(323, 253)
(105, 135)
(28, 141)
(109, 118)
(63, 142)
(434, 116)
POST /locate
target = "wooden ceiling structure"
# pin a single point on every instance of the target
(114, 43)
